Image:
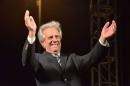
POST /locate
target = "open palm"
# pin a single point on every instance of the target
(29, 22)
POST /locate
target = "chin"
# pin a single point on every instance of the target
(56, 50)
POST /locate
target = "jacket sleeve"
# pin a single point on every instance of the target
(91, 58)
(28, 56)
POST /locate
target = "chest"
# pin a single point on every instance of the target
(51, 64)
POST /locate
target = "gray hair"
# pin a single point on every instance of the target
(50, 24)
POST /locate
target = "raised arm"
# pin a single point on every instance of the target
(99, 51)
(28, 53)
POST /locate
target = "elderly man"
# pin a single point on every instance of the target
(52, 68)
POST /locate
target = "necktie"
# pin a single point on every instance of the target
(58, 59)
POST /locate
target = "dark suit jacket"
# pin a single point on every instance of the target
(48, 72)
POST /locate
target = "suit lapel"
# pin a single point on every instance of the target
(51, 61)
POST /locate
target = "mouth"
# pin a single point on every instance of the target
(54, 45)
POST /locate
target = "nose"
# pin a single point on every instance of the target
(54, 39)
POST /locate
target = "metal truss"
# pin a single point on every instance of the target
(106, 72)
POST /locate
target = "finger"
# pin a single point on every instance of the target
(106, 25)
(113, 27)
(114, 23)
(32, 19)
(26, 15)
(26, 18)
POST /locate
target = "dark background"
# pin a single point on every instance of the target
(74, 17)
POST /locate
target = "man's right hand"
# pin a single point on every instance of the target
(30, 24)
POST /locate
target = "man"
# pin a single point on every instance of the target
(51, 68)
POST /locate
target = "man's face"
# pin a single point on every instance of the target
(52, 41)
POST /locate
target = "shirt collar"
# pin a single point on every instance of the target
(56, 55)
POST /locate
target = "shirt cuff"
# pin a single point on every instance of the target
(31, 40)
(106, 44)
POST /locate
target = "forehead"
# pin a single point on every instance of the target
(51, 31)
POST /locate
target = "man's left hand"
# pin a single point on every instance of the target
(108, 31)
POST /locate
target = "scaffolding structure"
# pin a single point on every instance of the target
(106, 72)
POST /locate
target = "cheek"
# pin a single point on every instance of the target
(45, 44)
(48, 43)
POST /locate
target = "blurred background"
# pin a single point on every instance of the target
(81, 21)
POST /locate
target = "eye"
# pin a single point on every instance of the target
(57, 36)
(50, 37)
